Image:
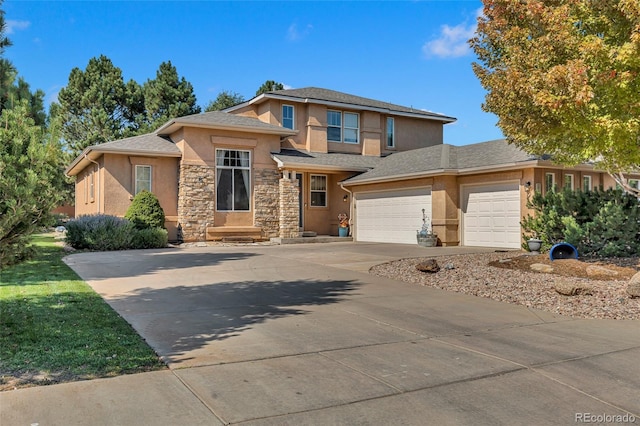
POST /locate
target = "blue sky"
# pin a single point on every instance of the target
(408, 53)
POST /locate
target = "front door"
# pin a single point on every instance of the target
(300, 201)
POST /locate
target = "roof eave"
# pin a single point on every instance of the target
(95, 152)
(176, 125)
(307, 100)
(290, 165)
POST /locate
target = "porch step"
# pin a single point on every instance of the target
(308, 234)
(234, 233)
(237, 240)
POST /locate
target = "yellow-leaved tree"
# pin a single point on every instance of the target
(563, 77)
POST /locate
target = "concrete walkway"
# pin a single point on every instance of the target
(301, 334)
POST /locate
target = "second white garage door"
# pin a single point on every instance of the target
(491, 215)
(391, 216)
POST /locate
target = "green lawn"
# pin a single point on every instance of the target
(54, 328)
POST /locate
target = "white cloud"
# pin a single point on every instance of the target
(287, 87)
(452, 41)
(294, 33)
(12, 26)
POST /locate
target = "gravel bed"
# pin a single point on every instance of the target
(471, 274)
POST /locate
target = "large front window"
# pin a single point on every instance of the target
(233, 180)
(339, 130)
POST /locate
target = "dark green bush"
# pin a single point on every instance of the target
(145, 211)
(597, 223)
(104, 233)
(150, 238)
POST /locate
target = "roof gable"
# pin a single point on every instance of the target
(224, 121)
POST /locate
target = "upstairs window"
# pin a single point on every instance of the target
(347, 131)
(287, 117)
(233, 180)
(334, 126)
(143, 179)
(391, 136)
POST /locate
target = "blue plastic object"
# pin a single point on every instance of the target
(563, 251)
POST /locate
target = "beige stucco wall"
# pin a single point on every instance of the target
(199, 145)
(311, 125)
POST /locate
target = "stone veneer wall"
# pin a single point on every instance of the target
(266, 196)
(289, 208)
(196, 201)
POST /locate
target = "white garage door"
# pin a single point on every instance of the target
(391, 216)
(491, 215)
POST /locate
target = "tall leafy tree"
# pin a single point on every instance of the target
(269, 86)
(97, 106)
(563, 77)
(31, 180)
(225, 99)
(167, 96)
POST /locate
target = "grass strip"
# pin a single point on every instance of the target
(54, 328)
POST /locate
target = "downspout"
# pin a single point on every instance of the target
(350, 208)
(96, 185)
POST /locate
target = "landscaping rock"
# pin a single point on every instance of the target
(633, 288)
(429, 265)
(541, 267)
(568, 288)
(600, 271)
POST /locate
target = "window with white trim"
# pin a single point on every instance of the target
(334, 126)
(587, 184)
(549, 181)
(288, 120)
(143, 179)
(568, 181)
(391, 136)
(92, 185)
(347, 131)
(233, 180)
(318, 189)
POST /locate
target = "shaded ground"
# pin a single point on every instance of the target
(601, 269)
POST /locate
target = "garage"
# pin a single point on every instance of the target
(391, 216)
(491, 215)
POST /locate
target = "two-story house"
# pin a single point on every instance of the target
(286, 163)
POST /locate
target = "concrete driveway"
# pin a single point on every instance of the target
(301, 334)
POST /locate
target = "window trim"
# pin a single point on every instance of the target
(588, 187)
(325, 191)
(249, 187)
(392, 133)
(357, 129)
(136, 180)
(293, 116)
(342, 127)
(333, 126)
(92, 186)
(548, 187)
(571, 177)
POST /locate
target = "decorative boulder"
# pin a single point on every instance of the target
(568, 288)
(429, 265)
(541, 267)
(633, 288)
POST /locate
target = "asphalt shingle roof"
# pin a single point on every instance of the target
(151, 143)
(319, 94)
(355, 162)
(224, 119)
(445, 157)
